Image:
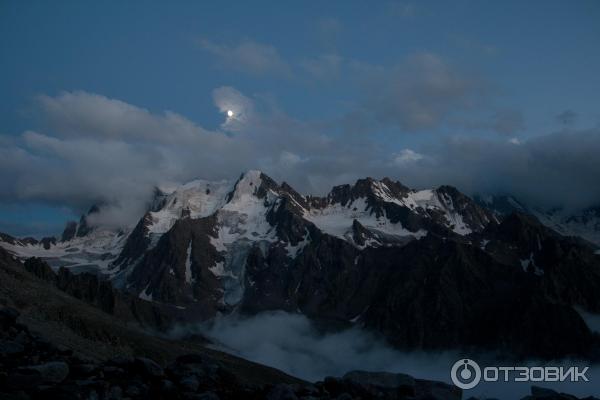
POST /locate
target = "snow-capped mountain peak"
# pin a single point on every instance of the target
(207, 247)
(233, 218)
(246, 210)
(195, 199)
(247, 185)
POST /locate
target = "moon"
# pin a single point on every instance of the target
(229, 113)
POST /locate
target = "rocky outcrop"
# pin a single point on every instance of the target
(177, 271)
(136, 245)
(84, 226)
(69, 231)
(45, 242)
(100, 293)
(565, 269)
(579, 222)
(41, 269)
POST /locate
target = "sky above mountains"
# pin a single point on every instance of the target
(101, 101)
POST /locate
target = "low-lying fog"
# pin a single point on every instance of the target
(290, 342)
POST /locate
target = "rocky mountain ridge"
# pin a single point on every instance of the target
(584, 223)
(34, 367)
(427, 269)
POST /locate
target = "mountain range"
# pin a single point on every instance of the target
(426, 269)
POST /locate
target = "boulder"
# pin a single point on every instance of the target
(10, 348)
(23, 379)
(281, 392)
(121, 361)
(115, 393)
(189, 383)
(381, 383)
(191, 359)
(59, 392)
(52, 372)
(148, 367)
(14, 396)
(8, 317)
(111, 372)
(83, 370)
(208, 396)
(195, 365)
(434, 390)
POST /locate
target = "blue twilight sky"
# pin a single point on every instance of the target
(101, 101)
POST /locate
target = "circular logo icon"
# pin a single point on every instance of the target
(465, 373)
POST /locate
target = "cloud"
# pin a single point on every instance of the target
(407, 156)
(475, 45)
(290, 160)
(100, 150)
(329, 32)
(96, 150)
(421, 92)
(78, 158)
(401, 9)
(418, 94)
(291, 343)
(248, 56)
(567, 117)
(227, 99)
(506, 122)
(79, 114)
(323, 67)
(565, 160)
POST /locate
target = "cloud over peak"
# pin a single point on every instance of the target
(93, 149)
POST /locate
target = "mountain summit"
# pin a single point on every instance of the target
(425, 268)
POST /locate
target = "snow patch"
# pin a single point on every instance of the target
(144, 294)
(93, 252)
(337, 220)
(199, 198)
(294, 250)
(585, 224)
(427, 199)
(531, 262)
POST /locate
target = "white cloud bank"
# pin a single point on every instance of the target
(94, 149)
(290, 342)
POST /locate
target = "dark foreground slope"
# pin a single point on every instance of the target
(55, 346)
(73, 324)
